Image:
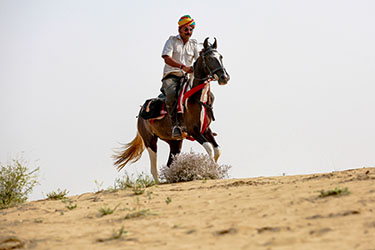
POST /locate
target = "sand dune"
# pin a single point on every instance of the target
(283, 212)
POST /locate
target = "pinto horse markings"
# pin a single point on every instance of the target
(208, 66)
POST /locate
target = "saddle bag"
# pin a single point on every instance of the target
(152, 109)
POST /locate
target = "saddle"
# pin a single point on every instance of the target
(155, 108)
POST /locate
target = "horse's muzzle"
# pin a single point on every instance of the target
(223, 79)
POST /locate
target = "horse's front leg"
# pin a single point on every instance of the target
(208, 146)
(210, 138)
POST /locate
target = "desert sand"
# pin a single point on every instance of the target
(284, 212)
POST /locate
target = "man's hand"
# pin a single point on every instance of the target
(173, 63)
(187, 69)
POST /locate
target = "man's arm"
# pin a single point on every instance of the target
(173, 63)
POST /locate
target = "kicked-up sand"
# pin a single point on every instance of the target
(286, 212)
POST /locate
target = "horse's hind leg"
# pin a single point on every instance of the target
(175, 148)
(152, 152)
(150, 141)
(210, 138)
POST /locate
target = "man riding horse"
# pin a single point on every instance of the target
(179, 53)
(194, 105)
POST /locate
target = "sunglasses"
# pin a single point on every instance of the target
(188, 29)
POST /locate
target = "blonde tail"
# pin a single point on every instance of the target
(132, 152)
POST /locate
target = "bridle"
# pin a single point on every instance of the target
(211, 73)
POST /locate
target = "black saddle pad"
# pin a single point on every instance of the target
(152, 108)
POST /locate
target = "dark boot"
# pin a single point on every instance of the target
(180, 121)
(176, 129)
(176, 132)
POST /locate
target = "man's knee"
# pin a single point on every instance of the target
(169, 87)
(169, 83)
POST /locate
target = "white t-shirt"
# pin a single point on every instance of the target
(183, 53)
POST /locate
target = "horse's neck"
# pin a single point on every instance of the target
(201, 84)
(201, 89)
(197, 82)
(200, 76)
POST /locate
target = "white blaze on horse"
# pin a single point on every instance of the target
(195, 104)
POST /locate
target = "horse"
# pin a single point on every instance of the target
(197, 116)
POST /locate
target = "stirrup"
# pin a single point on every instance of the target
(176, 132)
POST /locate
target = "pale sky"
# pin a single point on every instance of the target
(74, 73)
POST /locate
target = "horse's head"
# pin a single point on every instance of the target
(213, 62)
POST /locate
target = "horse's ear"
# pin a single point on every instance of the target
(205, 43)
(214, 46)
